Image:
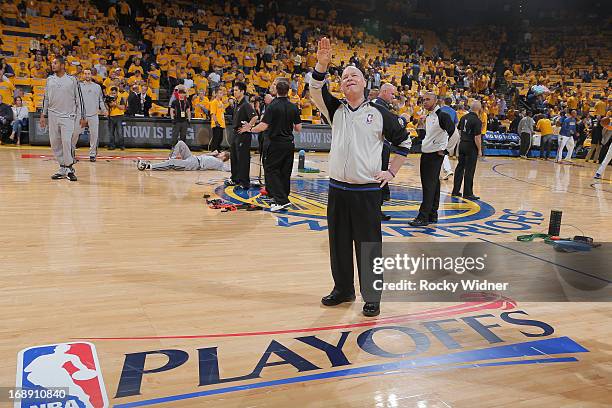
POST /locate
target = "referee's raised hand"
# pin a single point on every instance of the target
(324, 54)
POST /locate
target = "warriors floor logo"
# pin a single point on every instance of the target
(458, 217)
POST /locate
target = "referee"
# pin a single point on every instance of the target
(470, 147)
(279, 121)
(439, 127)
(384, 98)
(359, 129)
(240, 147)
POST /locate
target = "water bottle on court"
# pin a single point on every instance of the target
(301, 159)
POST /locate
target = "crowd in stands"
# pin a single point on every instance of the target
(206, 47)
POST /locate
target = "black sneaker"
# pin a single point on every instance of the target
(92, 159)
(455, 194)
(58, 176)
(472, 197)
(335, 298)
(371, 309)
(384, 217)
(419, 222)
(71, 176)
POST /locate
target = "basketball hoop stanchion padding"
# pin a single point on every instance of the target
(554, 225)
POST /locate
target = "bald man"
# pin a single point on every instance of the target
(470, 147)
(439, 127)
(385, 97)
(359, 128)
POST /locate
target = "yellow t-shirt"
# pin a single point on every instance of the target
(116, 111)
(600, 108)
(172, 71)
(306, 109)
(572, 102)
(154, 82)
(217, 113)
(6, 91)
(22, 73)
(133, 68)
(163, 60)
(544, 126)
(198, 103)
(483, 118)
(201, 82)
(205, 62)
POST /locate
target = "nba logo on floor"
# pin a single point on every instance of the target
(71, 366)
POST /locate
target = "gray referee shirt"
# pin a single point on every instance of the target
(93, 99)
(63, 97)
(439, 126)
(357, 134)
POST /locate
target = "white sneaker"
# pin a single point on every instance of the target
(447, 175)
(279, 207)
(143, 165)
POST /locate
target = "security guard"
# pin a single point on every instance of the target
(470, 147)
(280, 120)
(240, 147)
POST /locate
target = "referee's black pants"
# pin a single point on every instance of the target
(430, 184)
(278, 164)
(240, 159)
(353, 219)
(468, 158)
(386, 155)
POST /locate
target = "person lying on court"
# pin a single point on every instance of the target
(183, 160)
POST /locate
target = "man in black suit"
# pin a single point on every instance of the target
(139, 103)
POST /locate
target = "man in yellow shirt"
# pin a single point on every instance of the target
(544, 126)
(217, 119)
(7, 89)
(163, 59)
(117, 105)
(201, 105)
(22, 71)
(38, 71)
(572, 102)
(204, 61)
(153, 79)
(306, 108)
(600, 108)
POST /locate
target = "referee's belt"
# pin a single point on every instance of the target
(341, 185)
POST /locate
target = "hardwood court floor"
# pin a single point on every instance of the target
(139, 256)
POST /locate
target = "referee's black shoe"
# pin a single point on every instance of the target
(371, 309)
(384, 217)
(335, 298)
(419, 222)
